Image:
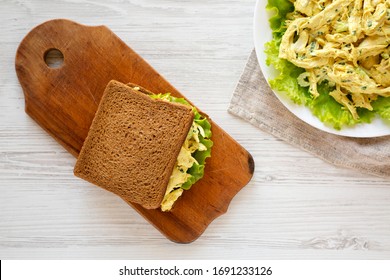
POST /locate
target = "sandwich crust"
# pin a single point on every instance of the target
(133, 143)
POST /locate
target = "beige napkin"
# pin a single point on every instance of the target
(254, 101)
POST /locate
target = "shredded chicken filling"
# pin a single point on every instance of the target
(343, 42)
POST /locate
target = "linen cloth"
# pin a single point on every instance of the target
(254, 101)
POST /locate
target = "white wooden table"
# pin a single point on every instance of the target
(296, 206)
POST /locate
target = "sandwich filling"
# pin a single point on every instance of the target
(190, 163)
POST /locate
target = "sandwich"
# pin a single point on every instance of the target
(147, 148)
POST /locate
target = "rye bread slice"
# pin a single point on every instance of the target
(132, 144)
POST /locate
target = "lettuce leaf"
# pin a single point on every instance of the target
(286, 81)
(382, 107)
(324, 107)
(329, 111)
(280, 9)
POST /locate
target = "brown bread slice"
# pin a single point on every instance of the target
(133, 144)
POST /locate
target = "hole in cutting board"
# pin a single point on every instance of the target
(54, 58)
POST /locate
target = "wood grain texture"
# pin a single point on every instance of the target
(63, 101)
(295, 207)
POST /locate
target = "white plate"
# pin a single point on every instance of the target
(262, 33)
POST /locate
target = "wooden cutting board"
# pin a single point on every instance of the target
(63, 101)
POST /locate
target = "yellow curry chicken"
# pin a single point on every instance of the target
(343, 42)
